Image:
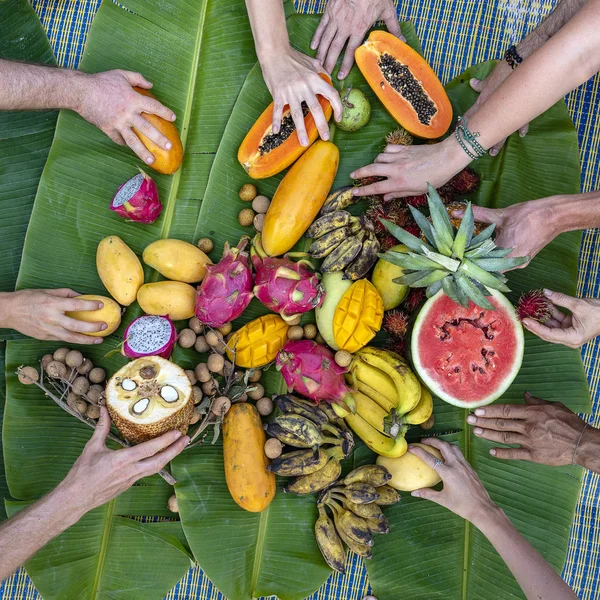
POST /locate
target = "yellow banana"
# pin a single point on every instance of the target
(339, 410)
(375, 378)
(406, 382)
(422, 411)
(376, 441)
(370, 411)
(367, 390)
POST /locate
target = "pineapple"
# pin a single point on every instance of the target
(452, 259)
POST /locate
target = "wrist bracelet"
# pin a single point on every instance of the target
(468, 141)
(578, 442)
(512, 57)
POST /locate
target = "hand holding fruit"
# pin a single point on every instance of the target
(348, 21)
(110, 102)
(293, 78)
(547, 432)
(100, 474)
(41, 315)
(463, 492)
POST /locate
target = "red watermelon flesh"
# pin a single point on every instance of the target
(467, 356)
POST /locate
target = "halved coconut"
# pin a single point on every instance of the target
(148, 397)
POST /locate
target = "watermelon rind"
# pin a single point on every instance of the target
(433, 384)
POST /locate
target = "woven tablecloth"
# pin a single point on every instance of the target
(455, 34)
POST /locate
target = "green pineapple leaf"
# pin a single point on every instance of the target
(483, 236)
(474, 294)
(464, 234)
(408, 239)
(434, 288)
(452, 290)
(421, 278)
(444, 261)
(423, 223)
(482, 276)
(410, 261)
(443, 231)
(500, 264)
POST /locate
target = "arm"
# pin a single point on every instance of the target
(41, 315)
(546, 432)
(349, 21)
(292, 77)
(464, 494)
(107, 100)
(98, 476)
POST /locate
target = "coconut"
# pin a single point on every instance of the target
(144, 408)
(149, 335)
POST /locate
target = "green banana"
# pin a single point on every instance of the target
(325, 245)
(343, 255)
(375, 475)
(378, 525)
(328, 222)
(339, 199)
(309, 484)
(290, 404)
(329, 542)
(387, 496)
(367, 257)
(358, 492)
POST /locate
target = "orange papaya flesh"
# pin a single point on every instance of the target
(165, 161)
(264, 154)
(405, 84)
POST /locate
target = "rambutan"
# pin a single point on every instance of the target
(399, 137)
(447, 194)
(386, 241)
(396, 344)
(395, 322)
(413, 229)
(416, 201)
(465, 182)
(534, 305)
(415, 297)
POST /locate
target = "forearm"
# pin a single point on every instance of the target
(6, 302)
(588, 453)
(267, 19)
(31, 529)
(537, 578)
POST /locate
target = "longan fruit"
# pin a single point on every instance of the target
(201, 345)
(85, 367)
(221, 406)
(343, 358)
(93, 412)
(320, 340)
(246, 217)
(56, 369)
(186, 338)
(260, 204)
(213, 338)
(81, 385)
(202, 373)
(206, 245)
(273, 448)
(310, 331)
(259, 222)
(46, 360)
(173, 505)
(258, 393)
(295, 332)
(197, 394)
(210, 387)
(195, 417)
(97, 375)
(61, 354)
(74, 359)
(28, 375)
(191, 376)
(72, 399)
(195, 325)
(264, 406)
(226, 329)
(215, 363)
(255, 376)
(81, 406)
(295, 320)
(248, 192)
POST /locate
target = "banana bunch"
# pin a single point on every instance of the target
(355, 504)
(323, 440)
(346, 243)
(389, 397)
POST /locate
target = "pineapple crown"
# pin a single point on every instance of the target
(462, 264)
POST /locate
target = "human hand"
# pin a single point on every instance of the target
(108, 101)
(408, 169)
(293, 78)
(546, 432)
(463, 492)
(348, 21)
(41, 314)
(486, 87)
(574, 330)
(100, 474)
(526, 227)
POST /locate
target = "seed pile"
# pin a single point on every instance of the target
(273, 140)
(405, 83)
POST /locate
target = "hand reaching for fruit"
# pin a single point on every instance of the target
(348, 21)
(41, 314)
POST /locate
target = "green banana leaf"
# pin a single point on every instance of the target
(3, 485)
(25, 139)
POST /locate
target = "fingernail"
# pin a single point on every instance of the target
(548, 293)
(150, 160)
(479, 412)
(98, 341)
(471, 419)
(415, 494)
(458, 213)
(526, 323)
(326, 136)
(100, 305)
(176, 434)
(104, 326)
(477, 431)
(341, 75)
(522, 134)
(313, 46)
(355, 192)
(353, 175)
(304, 140)
(168, 145)
(173, 117)
(493, 152)
(493, 451)
(187, 440)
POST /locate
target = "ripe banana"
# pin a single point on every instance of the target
(375, 378)
(366, 511)
(359, 492)
(407, 385)
(343, 255)
(324, 477)
(354, 527)
(375, 475)
(377, 396)
(370, 411)
(339, 199)
(298, 462)
(365, 260)
(304, 429)
(291, 404)
(285, 437)
(387, 496)
(376, 441)
(378, 526)
(329, 542)
(328, 222)
(325, 245)
(422, 411)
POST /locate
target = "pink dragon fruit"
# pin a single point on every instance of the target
(137, 200)
(287, 287)
(149, 336)
(309, 369)
(226, 289)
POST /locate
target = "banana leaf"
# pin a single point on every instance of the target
(25, 139)
(3, 484)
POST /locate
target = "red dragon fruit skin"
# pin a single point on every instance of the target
(287, 287)
(226, 289)
(137, 199)
(149, 335)
(309, 369)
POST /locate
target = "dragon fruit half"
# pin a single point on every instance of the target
(149, 336)
(226, 289)
(286, 287)
(309, 369)
(137, 199)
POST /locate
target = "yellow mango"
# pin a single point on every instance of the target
(110, 314)
(409, 472)
(119, 269)
(176, 260)
(174, 299)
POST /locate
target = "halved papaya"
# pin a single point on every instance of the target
(264, 154)
(405, 84)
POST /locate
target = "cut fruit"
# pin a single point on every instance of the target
(264, 154)
(148, 397)
(405, 84)
(467, 356)
(335, 287)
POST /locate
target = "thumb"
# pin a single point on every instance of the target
(487, 215)
(102, 428)
(477, 84)
(561, 299)
(427, 494)
(137, 80)
(534, 400)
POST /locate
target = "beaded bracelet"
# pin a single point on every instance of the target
(512, 57)
(468, 140)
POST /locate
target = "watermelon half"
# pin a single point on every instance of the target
(467, 356)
